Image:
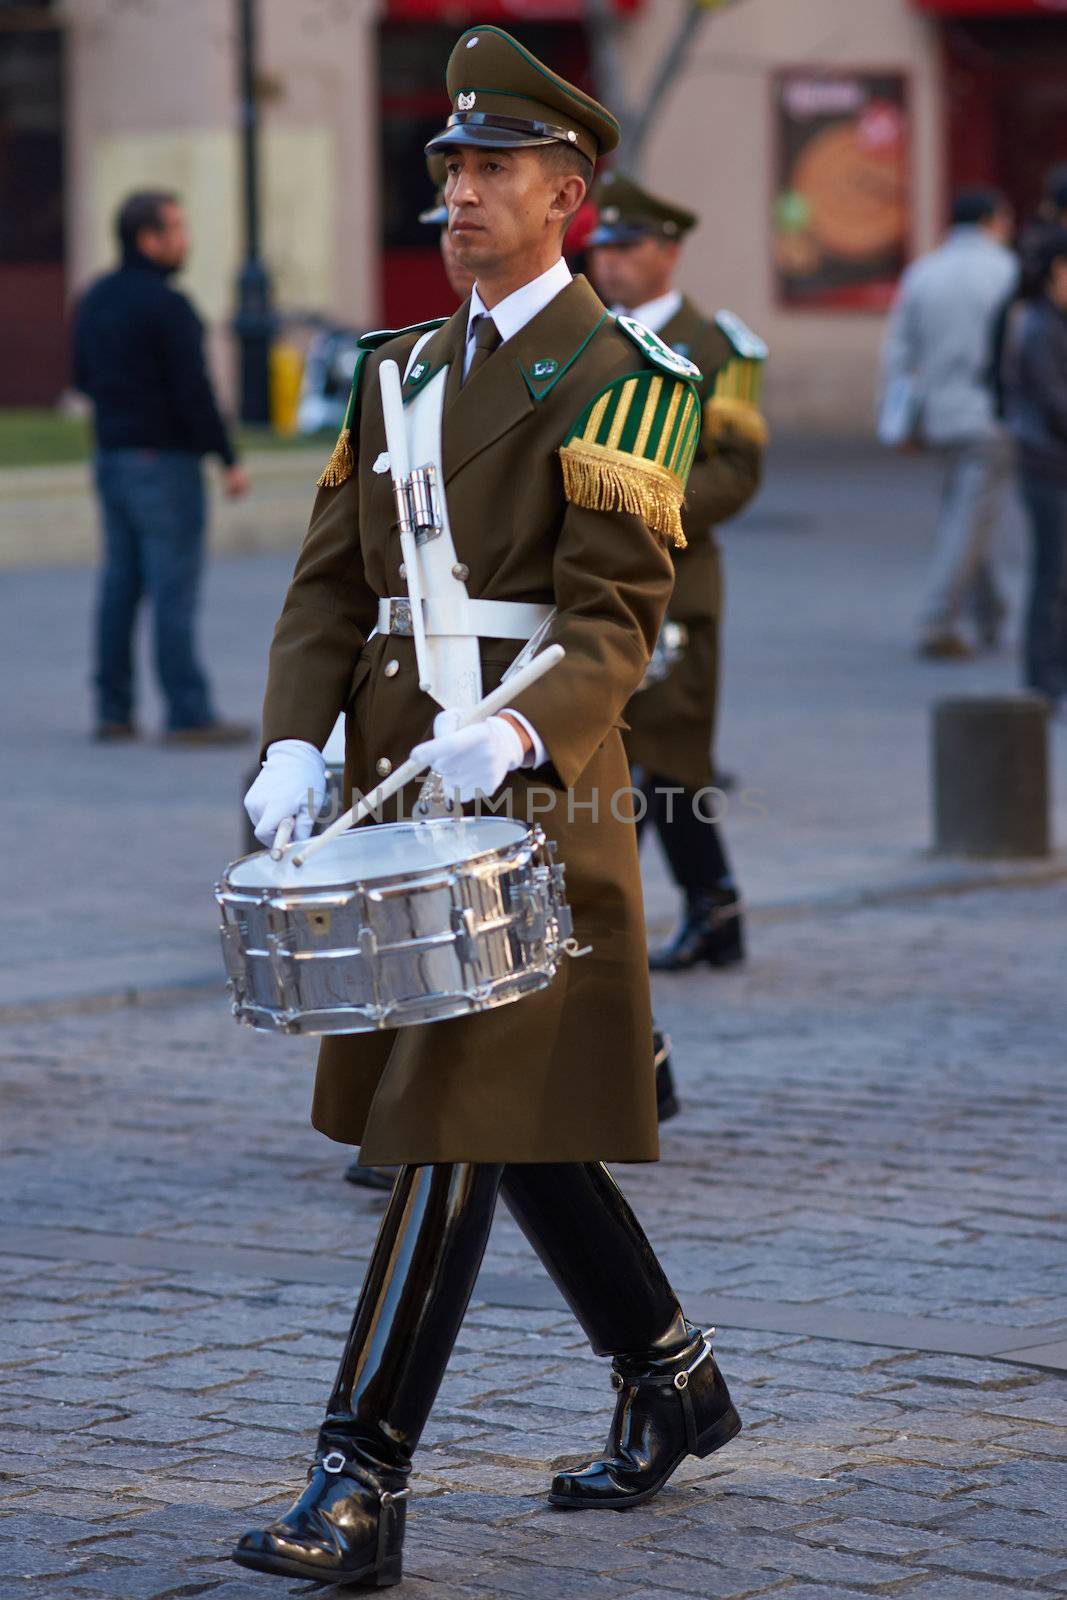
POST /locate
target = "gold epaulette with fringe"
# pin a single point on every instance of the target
(726, 414)
(631, 450)
(342, 462)
(734, 404)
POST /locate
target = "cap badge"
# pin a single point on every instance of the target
(465, 102)
(544, 369)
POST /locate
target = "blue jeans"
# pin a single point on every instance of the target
(153, 514)
(1046, 619)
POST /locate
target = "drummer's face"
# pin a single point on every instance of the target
(506, 209)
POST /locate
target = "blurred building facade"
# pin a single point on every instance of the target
(819, 141)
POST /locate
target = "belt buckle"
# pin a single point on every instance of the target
(400, 622)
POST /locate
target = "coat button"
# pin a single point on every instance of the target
(461, 571)
(403, 570)
(383, 766)
(392, 668)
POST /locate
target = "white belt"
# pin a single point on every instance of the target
(487, 619)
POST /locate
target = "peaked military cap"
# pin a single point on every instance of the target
(436, 216)
(626, 213)
(504, 98)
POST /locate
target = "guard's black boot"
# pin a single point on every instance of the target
(597, 1254)
(666, 1410)
(348, 1525)
(380, 1178)
(666, 1096)
(711, 931)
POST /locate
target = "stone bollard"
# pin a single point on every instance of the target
(991, 776)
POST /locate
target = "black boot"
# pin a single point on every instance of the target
(666, 1096)
(348, 1525)
(711, 931)
(380, 1178)
(598, 1256)
(666, 1410)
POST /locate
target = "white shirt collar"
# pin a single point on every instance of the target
(655, 314)
(512, 314)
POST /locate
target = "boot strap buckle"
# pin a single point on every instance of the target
(334, 1462)
(389, 1495)
(681, 1379)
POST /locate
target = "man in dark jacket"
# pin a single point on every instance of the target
(1036, 407)
(138, 355)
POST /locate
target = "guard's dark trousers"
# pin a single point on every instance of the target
(348, 1525)
(711, 927)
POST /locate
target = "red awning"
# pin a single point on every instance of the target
(993, 8)
(461, 13)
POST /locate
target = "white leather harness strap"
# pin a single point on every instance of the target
(487, 619)
(453, 622)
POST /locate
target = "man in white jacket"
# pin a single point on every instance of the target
(937, 390)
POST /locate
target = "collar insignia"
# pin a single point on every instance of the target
(544, 369)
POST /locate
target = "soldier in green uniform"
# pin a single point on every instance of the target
(461, 282)
(635, 251)
(566, 442)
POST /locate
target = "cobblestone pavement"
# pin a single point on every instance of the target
(874, 1119)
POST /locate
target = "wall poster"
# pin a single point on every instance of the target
(842, 215)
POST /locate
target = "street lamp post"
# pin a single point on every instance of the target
(254, 322)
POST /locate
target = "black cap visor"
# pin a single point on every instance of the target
(486, 132)
(619, 234)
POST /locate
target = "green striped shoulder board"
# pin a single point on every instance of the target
(633, 445)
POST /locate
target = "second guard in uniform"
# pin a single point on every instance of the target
(564, 442)
(635, 251)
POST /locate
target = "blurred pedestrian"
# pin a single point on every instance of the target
(1036, 403)
(938, 391)
(139, 356)
(1048, 220)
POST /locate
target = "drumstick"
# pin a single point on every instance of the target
(396, 441)
(493, 702)
(282, 837)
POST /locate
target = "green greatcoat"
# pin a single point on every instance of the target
(672, 723)
(564, 1074)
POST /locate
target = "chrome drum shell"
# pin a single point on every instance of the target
(393, 925)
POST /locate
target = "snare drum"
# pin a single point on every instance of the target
(394, 924)
(666, 654)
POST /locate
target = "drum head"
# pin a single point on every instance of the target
(387, 850)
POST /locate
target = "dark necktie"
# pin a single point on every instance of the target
(486, 340)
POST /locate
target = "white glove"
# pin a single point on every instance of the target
(476, 760)
(293, 770)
